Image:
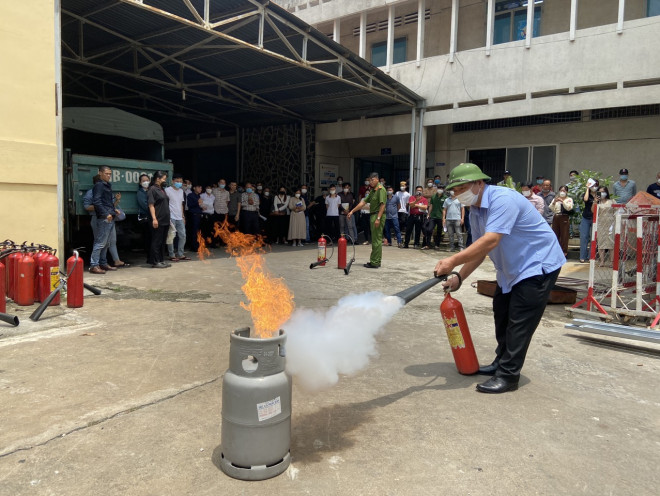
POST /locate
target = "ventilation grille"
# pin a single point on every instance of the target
(623, 112)
(530, 120)
(398, 22)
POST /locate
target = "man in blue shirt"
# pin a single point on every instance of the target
(527, 257)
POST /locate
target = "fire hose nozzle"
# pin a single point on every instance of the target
(407, 295)
(10, 319)
(317, 263)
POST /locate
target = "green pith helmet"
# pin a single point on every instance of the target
(465, 173)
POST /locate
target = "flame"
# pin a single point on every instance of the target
(270, 300)
(202, 252)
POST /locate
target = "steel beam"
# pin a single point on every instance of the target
(614, 330)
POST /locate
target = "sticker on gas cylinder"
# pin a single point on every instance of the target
(454, 333)
(54, 278)
(269, 409)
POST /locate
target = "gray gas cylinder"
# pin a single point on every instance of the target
(256, 408)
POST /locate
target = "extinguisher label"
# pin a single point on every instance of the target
(54, 278)
(269, 409)
(454, 333)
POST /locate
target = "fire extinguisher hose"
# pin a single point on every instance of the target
(347, 269)
(407, 295)
(326, 259)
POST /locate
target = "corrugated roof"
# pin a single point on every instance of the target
(164, 61)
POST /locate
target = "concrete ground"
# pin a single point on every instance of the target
(123, 396)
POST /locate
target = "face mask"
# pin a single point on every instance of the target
(603, 194)
(209, 191)
(440, 191)
(467, 198)
(266, 194)
(297, 195)
(624, 177)
(186, 187)
(452, 193)
(366, 183)
(562, 194)
(259, 188)
(178, 185)
(221, 186)
(145, 184)
(390, 193)
(545, 190)
(594, 188)
(332, 191)
(437, 181)
(249, 190)
(527, 193)
(418, 193)
(429, 185)
(539, 181)
(345, 190)
(403, 188)
(572, 178)
(282, 192)
(303, 191)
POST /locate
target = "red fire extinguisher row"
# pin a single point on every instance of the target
(3, 301)
(48, 277)
(12, 261)
(322, 245)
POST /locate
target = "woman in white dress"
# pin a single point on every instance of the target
(297, 228)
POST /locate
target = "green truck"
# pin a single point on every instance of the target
(130, 145)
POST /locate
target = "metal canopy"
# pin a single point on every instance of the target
(208, 66)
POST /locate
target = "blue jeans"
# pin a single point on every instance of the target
(585, 238)
(177, 228)
(348, 227)
(389, 224)
(104, 230)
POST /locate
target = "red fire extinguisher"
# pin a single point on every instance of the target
(321, 258)
(341, 252)
(3, 301)
(49, 277)
(25, 284)
(74, 287)
(12, 260)
(459, 336)
(38, 257)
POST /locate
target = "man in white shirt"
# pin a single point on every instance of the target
(177, 222)
(403, 196)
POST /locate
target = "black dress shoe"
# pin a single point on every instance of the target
(496, 385)
(369, 265)
(488, 369)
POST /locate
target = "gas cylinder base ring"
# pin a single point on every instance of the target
(256, 473)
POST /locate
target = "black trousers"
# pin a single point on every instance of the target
(415, 221)
(194, 221)
(158, 237)
(249, 222)
(517, 315)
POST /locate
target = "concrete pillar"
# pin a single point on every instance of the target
(390, 38)
(622, 11)
(490, 19)
(413, 129)
(454, 30)
(363, 35)
(336, 31)
(421, 17)
(574, 7)
(529, 32)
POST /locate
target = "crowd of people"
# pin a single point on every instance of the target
(176, 215)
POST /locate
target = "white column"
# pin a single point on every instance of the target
(421, 17)
(336, 31)
(413, 139)
(529, 32)
(574, 7)
(490, 19)
(454, 30)
(390, 38)
(622, 11)
(363, 35)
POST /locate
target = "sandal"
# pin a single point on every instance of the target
(185, 258)
(122, 264)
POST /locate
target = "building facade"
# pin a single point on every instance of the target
(578, 89)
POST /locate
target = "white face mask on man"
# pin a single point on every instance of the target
(467, 197)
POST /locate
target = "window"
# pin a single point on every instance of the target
(379, 52)
(511, 21)
(653, 8)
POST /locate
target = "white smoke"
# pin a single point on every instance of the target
(320, 346)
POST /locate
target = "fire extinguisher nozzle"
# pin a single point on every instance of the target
(10, 319)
